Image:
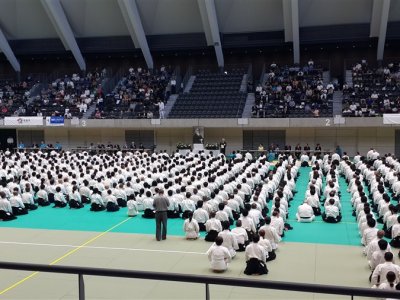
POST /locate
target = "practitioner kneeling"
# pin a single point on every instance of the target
(112, 202)
(219, 256)
(97, 201)
(305, 213)
(332, 213)
(255, 258)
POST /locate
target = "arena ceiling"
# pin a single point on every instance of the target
(79, 19)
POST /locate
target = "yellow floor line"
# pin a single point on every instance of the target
(64, 256)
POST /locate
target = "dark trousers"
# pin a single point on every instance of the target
(75, 204)
(6, 216)
(59, 204)
(17, 211)
(112, 207)
(96, 207)
(43, 202)
(121, 202)
(161, 225)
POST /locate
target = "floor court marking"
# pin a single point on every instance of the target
(100, 247)
(64, 256)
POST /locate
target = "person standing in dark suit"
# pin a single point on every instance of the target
(297, 151)
(222, 146)
(197, 137)
(307, 149)
(318, 151)
(161, 204)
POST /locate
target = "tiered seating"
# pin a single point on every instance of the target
(375, 91)
(293, 92)
(213, 95)
(137, 95)
(13, 97)
(69, 96)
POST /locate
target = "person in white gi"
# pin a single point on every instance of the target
(379, 274)
(305, 213)
(191, 227)
(230, 241)
(219, 256)
(133, 209)
(256, 258)
(241, 236)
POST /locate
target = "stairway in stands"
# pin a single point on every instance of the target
(337, 103)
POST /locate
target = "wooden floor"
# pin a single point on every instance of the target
(296, 262)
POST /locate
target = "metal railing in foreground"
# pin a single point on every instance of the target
(206, 280)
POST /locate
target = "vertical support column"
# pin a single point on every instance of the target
(212, 19)
(295, 31)
(6, 49)
(382, 29)
(291, 26)
(133, 21)
(60, 22)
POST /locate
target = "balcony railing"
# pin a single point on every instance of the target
(199, 279)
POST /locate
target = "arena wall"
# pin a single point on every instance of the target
(354, 135)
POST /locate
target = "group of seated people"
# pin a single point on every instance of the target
(315, 194)
(292, 89)
(371, 182)
(211, 193)
(13, 97)
(140, 94)
(375, 91)
(70, 96)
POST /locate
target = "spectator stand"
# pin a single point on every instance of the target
(137, 95)
(375, 90)
(71, 95)
(293, 91)
(14, 96)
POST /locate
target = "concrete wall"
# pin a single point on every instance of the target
(357, 134)
(351, 140)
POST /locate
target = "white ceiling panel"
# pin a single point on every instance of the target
(394, 12)
(334, 12)
(170, 16)
(249, 15)
(25, 19)
(93, 18)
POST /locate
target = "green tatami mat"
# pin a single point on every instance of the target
(344, 233)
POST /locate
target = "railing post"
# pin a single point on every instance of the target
(81, 287)
(207, 292)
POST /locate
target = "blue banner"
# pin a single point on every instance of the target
(55, 121)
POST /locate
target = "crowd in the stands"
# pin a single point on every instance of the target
(140, 94)
(70, 96)
(375, 91)
(292, 90)
(13, 97)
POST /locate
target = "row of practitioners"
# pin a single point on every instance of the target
(385, 273)
(118, 193)
(314, 194)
